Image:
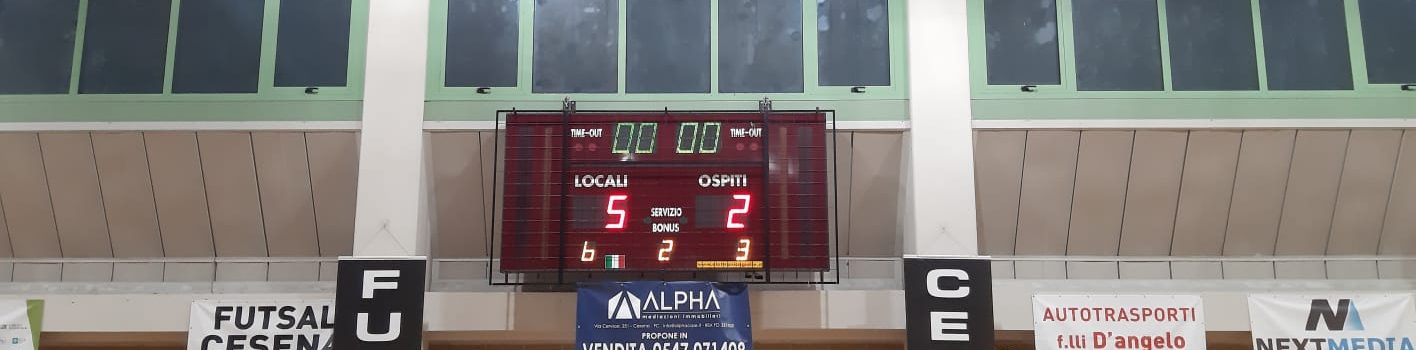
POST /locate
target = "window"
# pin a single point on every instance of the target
(218, 46)
(853, 45)
(1212, 45)
(38, 45)
(759, 46)
(1117, 45)
(666, 46)
(1021, 41)
(481, 43)
(125, 47)
(1305, 45)
(576, 46)
(1386, 33)
(312, 46)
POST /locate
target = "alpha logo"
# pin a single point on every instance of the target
(624, 306)
(1345, 318)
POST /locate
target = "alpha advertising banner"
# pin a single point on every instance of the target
(654, 315)
(261, 325)
(1119, 322)
(1333, 322)
(20, 321)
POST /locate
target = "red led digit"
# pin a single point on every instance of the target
(732, 213)
(618, 221)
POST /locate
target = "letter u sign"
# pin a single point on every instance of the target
(379, 303)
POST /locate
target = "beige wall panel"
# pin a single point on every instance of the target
(1103, 165)
(1312, 192)
(25, 193)
(998, 169)
(875, 193)
(1045, 207)
(5, 250)
(229, 169)
(1152, 192)
(839, 153)
(179, 193)
(1259, 184)
(123, 174)
(334, 178)
(287, 205)
(73, 187)
(1363, 194)
(1399, 228)
(490, 173)
(460, 228)
(1206, 186)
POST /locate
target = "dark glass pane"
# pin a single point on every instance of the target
(36, 45)
(1305, 45)
(759, 46)
(1117, 45)
(1021, 38)
(1212, 45)
(481, 43)
(853, 42)
(312, 45)
(1391, 46)
(218, 46)
(576, 46)
(125, 47)
(666, 48)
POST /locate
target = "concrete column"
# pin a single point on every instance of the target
(391, 215)
(940, 216)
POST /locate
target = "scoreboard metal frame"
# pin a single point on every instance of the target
(766, 274)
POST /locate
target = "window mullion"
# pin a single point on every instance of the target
(1163, 25)
(171, 54)
(1065, 49)
(270, 32)
(78, 56)
(1259, 45)
(1356, 46)
(809, 41)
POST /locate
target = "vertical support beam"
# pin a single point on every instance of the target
(391, 214)
(940, 217)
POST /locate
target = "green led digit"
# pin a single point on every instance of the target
(710, 138)
(648, 132)
(687, 137)
(624, 137)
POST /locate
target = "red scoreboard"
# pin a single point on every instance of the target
(665, 191)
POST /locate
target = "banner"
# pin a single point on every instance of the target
(379, 303)
(948, 303)
(20, 321)
(1119, 322)
(653, 315)
(260, 325)
(1332, 322)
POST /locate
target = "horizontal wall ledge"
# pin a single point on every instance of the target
(182, 126)
(1195, 108)
(846, 110)
(1130, 124)
(900, 125)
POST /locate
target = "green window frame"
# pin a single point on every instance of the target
(268, 103)
(464, 103)
(1065, 101)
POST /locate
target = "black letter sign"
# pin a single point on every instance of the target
(378, 304)
(948, 304)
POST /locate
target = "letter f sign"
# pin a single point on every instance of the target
(395, 319)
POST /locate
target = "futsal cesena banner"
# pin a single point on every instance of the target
(261, 325)
(1119, 322)
(1333, 321)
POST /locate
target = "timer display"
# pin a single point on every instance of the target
(664, 191)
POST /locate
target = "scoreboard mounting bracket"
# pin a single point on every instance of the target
(733, 196)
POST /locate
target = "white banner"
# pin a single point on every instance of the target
(261, 325)
(1119, 322)
(16, 330)
(1332, 322)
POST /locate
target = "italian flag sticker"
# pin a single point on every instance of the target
(614, 261)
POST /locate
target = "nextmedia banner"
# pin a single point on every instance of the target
(261, 325)
(653, 315)
(1119, 322)
(1333, 322)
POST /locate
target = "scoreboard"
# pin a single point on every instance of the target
(665, 191)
